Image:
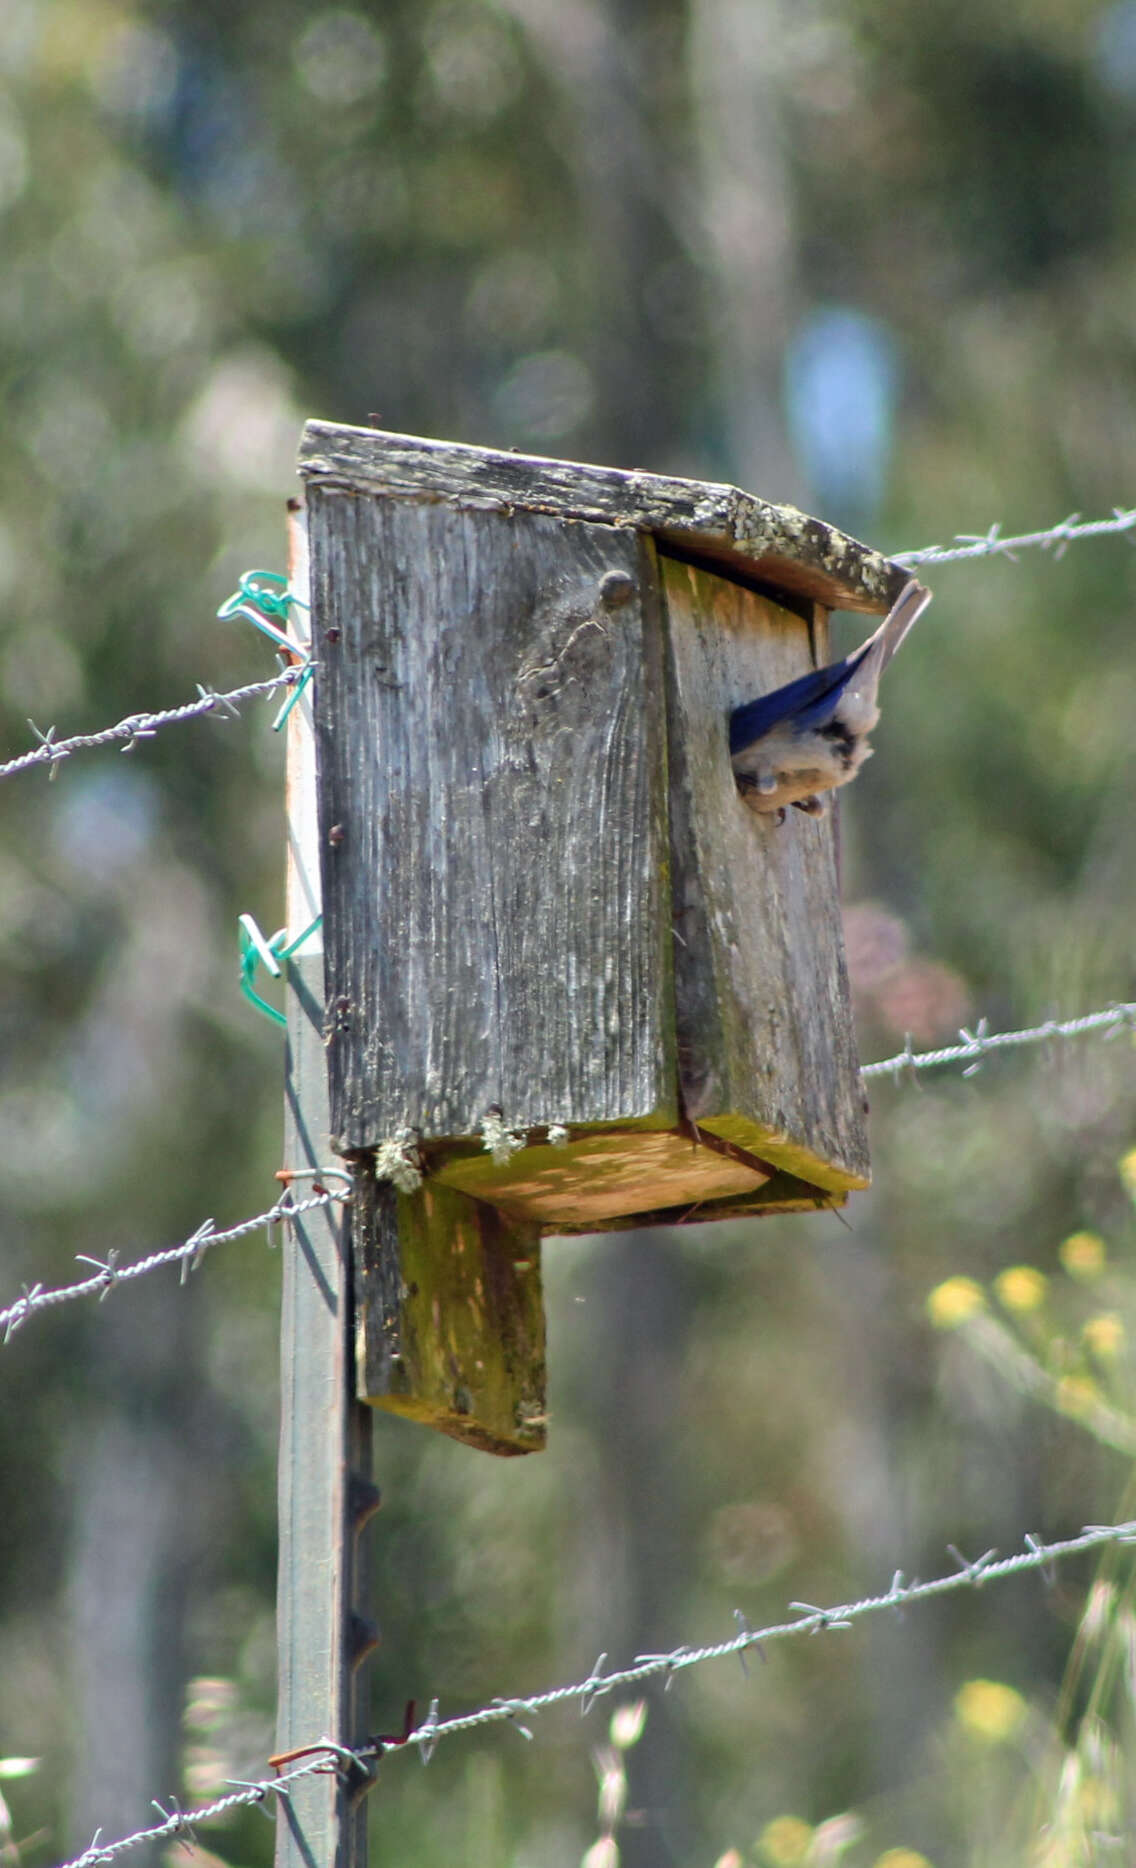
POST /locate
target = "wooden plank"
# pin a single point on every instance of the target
(749, 536)
(784, 1193)
(492, 819)
(602, 1177)
(766, 1045)
(451, 1324)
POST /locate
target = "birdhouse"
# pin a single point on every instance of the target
(571, 980)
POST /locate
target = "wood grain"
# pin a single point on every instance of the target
(747, 535)
(449, 1318)
(524, 784)
(766, 1046)
(602, 1177)
(492, 819)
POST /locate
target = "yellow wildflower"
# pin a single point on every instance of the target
(1077, 1396)
(954, 1302)
(1021, 1288)
(785, 1841)
(1083, 1255)
(989, 1710)
(1104, 1335)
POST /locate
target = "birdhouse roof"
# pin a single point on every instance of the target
(748, 538)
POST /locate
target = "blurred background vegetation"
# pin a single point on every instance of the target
(874, 256)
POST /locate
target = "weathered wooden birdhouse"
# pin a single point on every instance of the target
(568, 972)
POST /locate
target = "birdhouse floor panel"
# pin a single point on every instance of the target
(602, 1177)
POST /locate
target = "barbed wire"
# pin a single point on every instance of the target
(51, 751)
(991, 544)
(327, 1757)
(810, 1619)
(973, 1049)
(977, 1044)
(189, 1253)
(179, 1823)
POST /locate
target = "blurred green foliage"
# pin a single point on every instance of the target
(599, 228)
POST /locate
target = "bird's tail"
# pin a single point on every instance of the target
(907, 609)
(859, 703)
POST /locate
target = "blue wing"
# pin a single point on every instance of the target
(809, 702)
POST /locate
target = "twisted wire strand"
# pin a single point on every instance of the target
(810, 1620)
(188, 1253)
(973, 1049)
(51, 751)
(974, 1046)
(991, 544)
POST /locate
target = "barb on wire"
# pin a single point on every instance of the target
(178, 1823)
(975, 1570)
(808, 1620)
(991, 544)
(323, 1755)
(188, 1254)
(51, 751)
(975, 1046)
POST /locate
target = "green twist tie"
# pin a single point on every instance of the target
(257, 951)
(260, 596)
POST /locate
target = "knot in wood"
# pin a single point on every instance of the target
(616, 589)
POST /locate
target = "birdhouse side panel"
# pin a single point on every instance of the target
(766, 1044)
(449, 1322)
(492, 819)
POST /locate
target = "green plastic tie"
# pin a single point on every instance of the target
(307, 669)
(264, 599)
(256, 951)
(260, 597)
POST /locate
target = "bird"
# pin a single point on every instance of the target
(812, 735)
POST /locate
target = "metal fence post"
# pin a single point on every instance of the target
(325, 1490)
